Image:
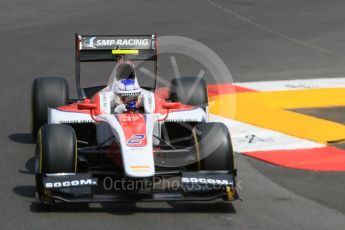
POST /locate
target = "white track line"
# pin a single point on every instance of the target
(294, 84)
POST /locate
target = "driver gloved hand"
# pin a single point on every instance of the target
(120, 108)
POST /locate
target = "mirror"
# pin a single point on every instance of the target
(89, 106)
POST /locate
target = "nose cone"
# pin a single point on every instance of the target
(140, 171)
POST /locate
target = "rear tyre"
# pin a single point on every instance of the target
(46, 92)
(189, 91)
(213, 147)
(56, 152)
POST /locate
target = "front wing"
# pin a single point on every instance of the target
(164, 186)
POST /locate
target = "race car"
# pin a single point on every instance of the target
(122, 142)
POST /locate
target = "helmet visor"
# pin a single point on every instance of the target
(127, 97)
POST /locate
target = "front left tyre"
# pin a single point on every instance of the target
(56, 153)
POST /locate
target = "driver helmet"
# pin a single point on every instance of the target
(127, 89)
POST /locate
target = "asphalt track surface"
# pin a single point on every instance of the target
(258, 40)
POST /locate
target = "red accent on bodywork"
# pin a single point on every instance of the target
(74, 106)
(171, 105)
(163, 92)
(160, 101)
(161, 95)
(133, 124)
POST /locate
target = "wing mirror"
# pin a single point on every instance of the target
(171, 105)
(88, 106)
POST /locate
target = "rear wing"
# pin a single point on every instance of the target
(109, 47)
(100, 48)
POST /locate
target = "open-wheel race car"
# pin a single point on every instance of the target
(123, 142)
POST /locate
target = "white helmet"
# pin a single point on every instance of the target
(126, 87)
(127, 90)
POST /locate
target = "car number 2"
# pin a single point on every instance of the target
(136, 139)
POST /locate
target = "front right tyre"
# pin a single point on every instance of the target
(213, 147)
(47, 92)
